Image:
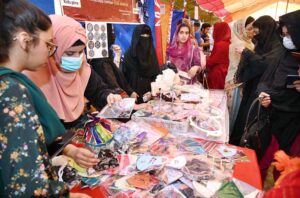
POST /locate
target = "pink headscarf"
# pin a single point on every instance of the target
(64, 90)
(182, 57)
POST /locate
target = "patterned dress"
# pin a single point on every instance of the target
(25, 168)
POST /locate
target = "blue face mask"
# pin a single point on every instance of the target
(71, 64)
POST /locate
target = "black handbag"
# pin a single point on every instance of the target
(256, 133)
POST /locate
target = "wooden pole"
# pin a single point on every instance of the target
(276, 10)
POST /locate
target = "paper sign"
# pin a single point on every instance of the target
(71, 3)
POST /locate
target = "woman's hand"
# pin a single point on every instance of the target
(134, 95)
(144, 106)
(193, 71)
(82, 156)
(297, 85)
(239, 49)
(266, 99)
(79, 195)
(112, 98)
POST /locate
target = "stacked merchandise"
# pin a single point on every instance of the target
(144, 160)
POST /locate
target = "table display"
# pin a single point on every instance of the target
(165, 151)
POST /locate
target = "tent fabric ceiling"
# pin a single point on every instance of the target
(234, 9)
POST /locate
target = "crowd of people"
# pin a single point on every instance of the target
(45, 81)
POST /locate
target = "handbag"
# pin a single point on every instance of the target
(256, 132)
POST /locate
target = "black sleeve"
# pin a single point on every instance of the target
(251, 65)
(97, 91)
(114, 77)
(123, 82)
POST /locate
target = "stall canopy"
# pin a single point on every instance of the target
(236, 9)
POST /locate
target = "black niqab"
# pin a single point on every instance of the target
(141, 56)
(267, 34)
(285, 102)
(140, 65)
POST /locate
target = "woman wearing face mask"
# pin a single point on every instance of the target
(68, 79)
(183, 53)
(267, 52)
(290, 25)
(241, 35)
(140, 66)
(283, 102)
(252, 69)
(27, 121)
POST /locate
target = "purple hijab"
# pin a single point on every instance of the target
(187, 55)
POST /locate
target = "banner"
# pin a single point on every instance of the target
(177, 15)
(158, 40)
(151, 19)
(101, 10)
(46, 5)
(165, 19)
(123, 34)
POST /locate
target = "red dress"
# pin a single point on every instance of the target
(218, 62)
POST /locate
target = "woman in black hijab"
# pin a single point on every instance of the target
(267, 52)
(283, 102)
(292, 23)
(109, 72)
(140, 65)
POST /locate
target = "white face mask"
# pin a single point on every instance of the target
(288, 43)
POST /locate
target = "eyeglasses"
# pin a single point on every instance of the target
(52, 47)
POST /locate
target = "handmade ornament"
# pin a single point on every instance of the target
(97, 40)
(120, 109)
(229, 189)
(145, 162)
(206, 124)
(193, 146)
(227, 151)
(196, 169)
(177, 162)
(170, 175)
(97, 133)
(142, 180)
(107, 160)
